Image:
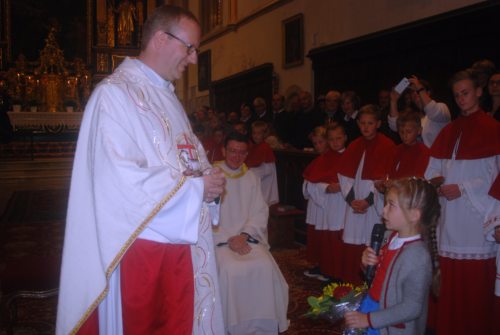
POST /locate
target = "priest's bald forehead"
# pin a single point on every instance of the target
(164, 18)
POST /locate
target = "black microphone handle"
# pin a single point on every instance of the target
(377, 237)
(370, 269)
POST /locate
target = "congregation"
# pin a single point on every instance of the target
(362, 150)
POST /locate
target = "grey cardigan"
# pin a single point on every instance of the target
(403, 300)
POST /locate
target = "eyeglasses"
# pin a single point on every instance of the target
(190, 48)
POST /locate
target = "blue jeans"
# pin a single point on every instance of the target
(369, 305)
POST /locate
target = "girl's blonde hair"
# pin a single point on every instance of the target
(418, 193)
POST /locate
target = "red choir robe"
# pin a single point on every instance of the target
(378, 156)
(259, 154)
(261, 161)
(325, 245)
(213, 150)
(409, 161)
(467, 277)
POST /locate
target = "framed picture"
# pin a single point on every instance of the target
(293, 41)
(204, 70)
(116, 60)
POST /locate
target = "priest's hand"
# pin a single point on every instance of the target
(450, 191)
(496, 234)
(333, 188)
(239, 244)
(213, 182)
(356, 320)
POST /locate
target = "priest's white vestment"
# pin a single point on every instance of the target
(134, 177)
(254, 293)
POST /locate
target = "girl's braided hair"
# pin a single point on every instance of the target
(418, 193)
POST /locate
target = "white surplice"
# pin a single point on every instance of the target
(316, 203)
(269, 182)
(493, 221)
(459, 233)
(254, 292)
(326, 211)
(358, 227)
(134, 147)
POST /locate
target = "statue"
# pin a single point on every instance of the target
(126, 17)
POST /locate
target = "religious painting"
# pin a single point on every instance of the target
(293, 41)
(204, 70)
(30, 21)
(116, 60)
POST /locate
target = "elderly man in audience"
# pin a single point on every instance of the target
(280, 118)
(332, 110)
(254, 293)
(304, 121)
(261, 113)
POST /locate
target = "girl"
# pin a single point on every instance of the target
(397, 301)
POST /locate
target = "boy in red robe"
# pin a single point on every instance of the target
(465, 154)
(366, 160)
(321, 186)
(316, 172)
(411, 157)
(261, 161)
(214, 144)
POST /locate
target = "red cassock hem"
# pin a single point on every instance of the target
(465, 304)
(157, 290)
(330, 256)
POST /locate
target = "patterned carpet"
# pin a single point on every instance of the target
(292, 263)
(31, 235)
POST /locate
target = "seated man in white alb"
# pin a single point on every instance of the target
(254, 293)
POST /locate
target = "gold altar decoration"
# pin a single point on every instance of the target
(50, 84)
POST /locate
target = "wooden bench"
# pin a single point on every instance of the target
(281, 225)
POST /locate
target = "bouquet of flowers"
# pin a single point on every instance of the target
(337, 299)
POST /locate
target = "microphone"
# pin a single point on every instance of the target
(377, 238)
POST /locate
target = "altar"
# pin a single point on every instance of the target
(48, 96)
(45, 122)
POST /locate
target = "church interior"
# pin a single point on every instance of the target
(54, 53)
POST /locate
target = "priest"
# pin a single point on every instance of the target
(138, 250)
(254, 293)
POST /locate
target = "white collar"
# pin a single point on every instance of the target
(153, 76)
(397, 242)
